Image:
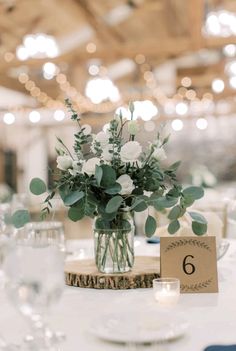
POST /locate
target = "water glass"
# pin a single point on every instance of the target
(42, 234)
(5, 214)
(20, 201)
(34, 282)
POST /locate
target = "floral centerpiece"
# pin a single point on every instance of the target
(109, 178)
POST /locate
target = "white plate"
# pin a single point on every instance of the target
(139, 327)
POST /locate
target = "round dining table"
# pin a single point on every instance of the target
(211, 317)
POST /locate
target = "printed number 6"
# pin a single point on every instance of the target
(188, 267)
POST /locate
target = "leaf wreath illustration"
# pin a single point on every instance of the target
(197, 286)
(185, 242)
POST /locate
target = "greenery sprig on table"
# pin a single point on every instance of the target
(104, 174)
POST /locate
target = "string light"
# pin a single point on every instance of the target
(232, 82)
(218, 85)
(186, 82)
(140, 59)
(9, 118)
(177, 125)
(91, 48)
(59, 115)
(34, 116)
(201, 123)
(170, 105)
(181, 108)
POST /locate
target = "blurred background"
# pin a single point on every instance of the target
(175, 59)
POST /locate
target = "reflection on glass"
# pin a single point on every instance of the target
(42, 234)
(34, 282)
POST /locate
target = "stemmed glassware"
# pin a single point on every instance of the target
(34, 271)
(43, 234)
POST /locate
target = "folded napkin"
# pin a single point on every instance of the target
(221, 348)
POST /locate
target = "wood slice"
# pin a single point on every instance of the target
(84, 274)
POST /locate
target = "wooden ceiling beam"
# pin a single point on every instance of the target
(103, 31)
(196, 18)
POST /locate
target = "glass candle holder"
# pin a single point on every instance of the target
(166, 291)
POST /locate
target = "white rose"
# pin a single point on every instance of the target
(106, 155)
(127, 185)
(130, 151)
(75, 168)
(102, 138)
(64, 162)
(159, 154)
(90, 165)
(86, 129)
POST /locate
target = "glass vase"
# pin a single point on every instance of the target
(114, 244)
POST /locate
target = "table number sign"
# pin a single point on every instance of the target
(192, 260)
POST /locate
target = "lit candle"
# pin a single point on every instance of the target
(166, 291)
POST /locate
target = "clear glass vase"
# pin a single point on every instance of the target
(114, 244)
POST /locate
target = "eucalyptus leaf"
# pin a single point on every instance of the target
(174, 226)
(114, 204)
(37, 186)
(20, 218)
(101, 224)
(139, 205)
(150, 226)
(197, 217)
(187, 201)
(114, 189)
(108, 176)
(75, 213)
(73, 197)
(98, 174)
(175, 166)
(195, 192)
(175, 212)
(199, 228)
(166, 202)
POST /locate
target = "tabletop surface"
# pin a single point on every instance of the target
(211, 317)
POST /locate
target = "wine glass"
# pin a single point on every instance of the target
(42, 234)
(5, 215)
(34, 282)
(19, 201)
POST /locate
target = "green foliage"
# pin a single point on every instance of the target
(175, 212)
(100, 194)
(174, 226)
(37, 186)
(98, 174)
(139, 205)
(150, 226)
(20, 218)
(76, 213)
(73, 197)
(113, 204)
(113, 189)
(195, 192)
(108, 176)
(197, 217)
(199, 228)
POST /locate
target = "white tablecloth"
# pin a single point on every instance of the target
(212, 317)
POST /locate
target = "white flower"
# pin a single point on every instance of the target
(159, 154)
(106, 155)
(133, 127)
(75, 168)
(130, 151)
(90, 165)
(86, 129)
(64, 162)
(102, 138)
(127, 185)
